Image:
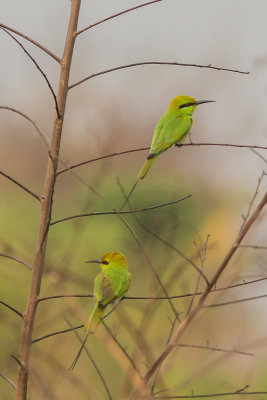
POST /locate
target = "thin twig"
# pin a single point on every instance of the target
(56, 333)
(92, 360)
(205, 396)
(202, 259)
(42, 134)
(147, 148)
(8, 380)
(32, 41)
(20, 185)
(199, 305)
(194, 346)
(155, 298)
(179, 296)
(227, 303)
(121, 347)
(253, 246)
(116, 15)
(116, 212)
(208, 66)
(11, 308)
(245, 217)
(171, 246)
(39, 69)
(99, 158)
(259, 155)
(147, 257)
(16, 259)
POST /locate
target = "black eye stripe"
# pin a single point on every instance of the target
(187, 105)
(105, 262)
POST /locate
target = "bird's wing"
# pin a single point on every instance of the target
(157, 131)
(174, 130)
(103, 289)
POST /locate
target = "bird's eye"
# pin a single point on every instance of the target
(105, 262)
(186, 105)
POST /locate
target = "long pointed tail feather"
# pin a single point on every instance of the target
(145, 168)
(94, 319)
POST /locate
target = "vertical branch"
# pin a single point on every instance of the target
(46, 207)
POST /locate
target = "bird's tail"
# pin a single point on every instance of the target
(94, 319)
(145, 168)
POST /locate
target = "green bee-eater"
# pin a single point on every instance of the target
(110, 286)
(172, 129)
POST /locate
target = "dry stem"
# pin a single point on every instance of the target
(45, 208)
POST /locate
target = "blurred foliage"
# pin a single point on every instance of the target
(141, 326)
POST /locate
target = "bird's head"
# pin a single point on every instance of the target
(114, 259)
(186, 104)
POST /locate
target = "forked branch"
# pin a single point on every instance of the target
(199, 305)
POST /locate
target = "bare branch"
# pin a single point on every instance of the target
(92, 360)
(205, 396)
(116, 15)
(121, 347)
(171, 246)
(179, 296)
(64, 296)
(147, 148)
(11, 308)
(253, 246)
(194, 346)
(43, 136)
(208, 66)
(245, 217)
(100, 158)
(16, 259)
(46, 205)
(202, 259)
(244, 146)
(120, 212)
(199, 305)
(259, 155)
(236, 301)
(20, 185)
(39, 69)
(32, 41)
(56, 333)
(8, 380)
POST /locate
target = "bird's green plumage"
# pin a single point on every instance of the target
(172, 128)
(110, 286)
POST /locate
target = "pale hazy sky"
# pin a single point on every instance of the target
(226, 33)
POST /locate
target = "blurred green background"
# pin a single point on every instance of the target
(118, 112)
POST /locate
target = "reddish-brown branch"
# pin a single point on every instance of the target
(106, 71)
(20, 185)
(199, 305)
(8, 380)
(178, 296)
(116, 15)
(16, 259)
(11, 308)
(120, 212)
(31, 40)
(46, 208)
(147, 148)
(38, 67)
(42, 134)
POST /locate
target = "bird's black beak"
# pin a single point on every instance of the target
(94, 261)
(204, 101)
